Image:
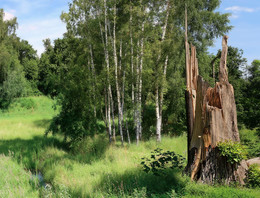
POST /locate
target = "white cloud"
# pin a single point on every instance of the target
(26, 6)
(237, 9)
(38, 30)
(234, 16)
(8, 16)
(37, 19)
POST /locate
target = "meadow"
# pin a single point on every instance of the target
(92, 168)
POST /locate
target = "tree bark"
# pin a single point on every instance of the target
(139, 103)
(158, 117)
(215, 120)
(188, 94)
(95, 80)
(116, 76)
(136, 113)
(159, 92)
(213, 65)
(132, 52)
(110, 98)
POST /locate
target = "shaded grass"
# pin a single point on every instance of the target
(26, 151)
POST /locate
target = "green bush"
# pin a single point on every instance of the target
(13, 87)
(160, 161)
(250, 138)
(233, 151)
(25, 103)
(253, 176)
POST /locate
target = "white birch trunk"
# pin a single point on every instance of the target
(136, 114)
(108, 76)
(159, 101)
(158, 117)
(94, 76)
(132, 52)
(116, 76)
(140, 85)
(124, 118)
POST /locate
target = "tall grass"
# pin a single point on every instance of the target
(14, 180)
(90, 168)
(115, 170)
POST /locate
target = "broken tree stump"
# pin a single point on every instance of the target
(212, 118)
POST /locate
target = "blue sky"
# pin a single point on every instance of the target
(39, 19)
(245, 34)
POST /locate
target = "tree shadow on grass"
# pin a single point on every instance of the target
(26, 151)
(136, 183)
(29, 151)
(44, 123)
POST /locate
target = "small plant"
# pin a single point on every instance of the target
(159, 161)
(253, 176)
(141, 193)
(27, 103)
(233, 151)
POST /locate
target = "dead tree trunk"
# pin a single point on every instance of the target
(214, 119)
(190, 100)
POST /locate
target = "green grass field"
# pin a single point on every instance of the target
(90, 169)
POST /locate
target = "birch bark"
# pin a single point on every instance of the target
(116, 76)
(108, 75)
(159, 92)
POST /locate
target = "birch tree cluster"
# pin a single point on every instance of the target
(120, 67)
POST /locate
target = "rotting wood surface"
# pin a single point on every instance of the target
(212, 117)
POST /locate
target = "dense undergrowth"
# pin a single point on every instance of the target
(90, 168)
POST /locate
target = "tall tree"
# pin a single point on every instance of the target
(251, 97)
(14, 64)
(160, 91)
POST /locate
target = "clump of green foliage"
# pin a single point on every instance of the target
(160, 161)
(251, 140)
(18, 64)
(23, 103)
(233, 151)
(253, 176)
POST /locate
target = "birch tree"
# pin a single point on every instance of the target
(116, 77)
(160, 91)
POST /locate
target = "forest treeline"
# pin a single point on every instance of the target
(120, 67)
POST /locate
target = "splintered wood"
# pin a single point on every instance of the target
(212, 117)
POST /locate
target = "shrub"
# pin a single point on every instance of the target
(250, 138)
(233, 151)
(159, 161)
(24, 103)
(253, 176)
(13, 87)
